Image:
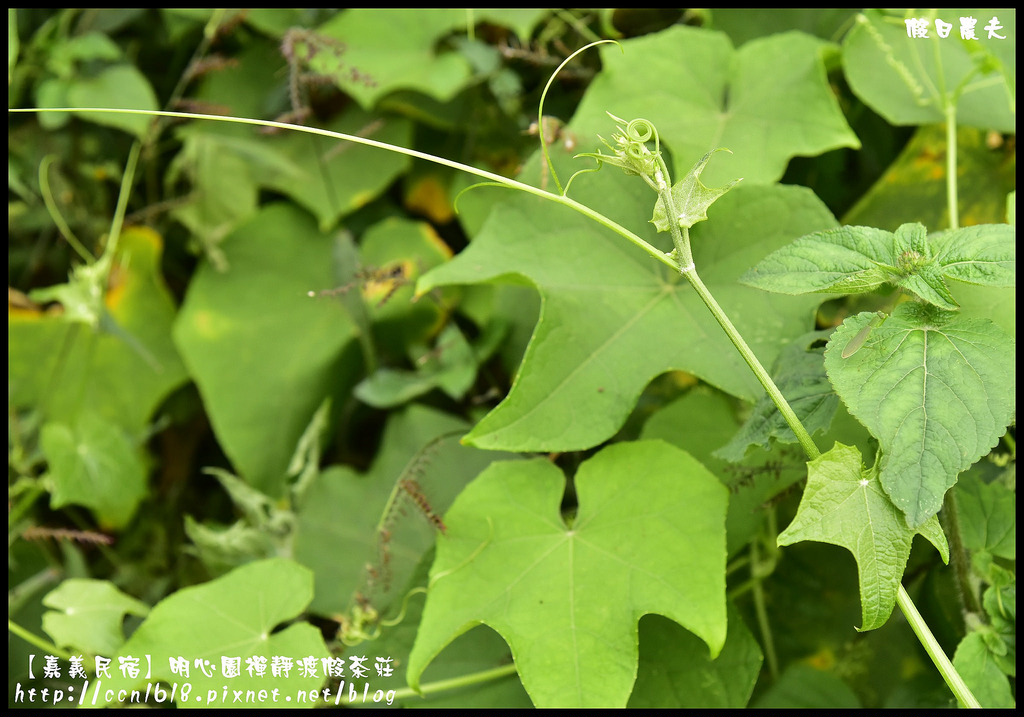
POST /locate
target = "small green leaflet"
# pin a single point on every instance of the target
(857, 341)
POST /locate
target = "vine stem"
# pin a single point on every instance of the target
(482, 173)
(810, 449)
(30, 637)
(934, 650)
(474, 678)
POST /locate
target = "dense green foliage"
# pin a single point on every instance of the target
(267, 388)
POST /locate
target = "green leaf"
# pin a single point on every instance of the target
(324, 181)
(88, 47)
(370, 53)
(987, 513)
(87, 615)
(393, 253)
(691, 198)
(94, 464)
(700, 422)
(263, 531)
(985, 255)
(675, 670)
(841, 260)
(235, 616)
(844, 505)
(612, 319)
(263, 353)
(217, 207)
(510, 561)
(767, 101)
(450, 366)
(935, 390)
(976, 665)
(860, 259)
(910, 80)
(13, 45)
(117, 87)
(926, 282)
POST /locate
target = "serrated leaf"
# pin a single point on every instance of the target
(690, 197)
(985, 255)
(978, 668)
(988, 516)
(926, 282)
(935, 390)
(567, 598)
(860, 259)
(235, 616)
(87, 615)
(844, 505)
(767, 101)
(841, 260)
(612, 319)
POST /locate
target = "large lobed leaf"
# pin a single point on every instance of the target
(612, 318)
(767, 101)
(567, 598)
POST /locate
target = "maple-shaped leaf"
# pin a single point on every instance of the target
(648, 537)
(767, 101)
(844, 505)
(691, 198)
(612, 318)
